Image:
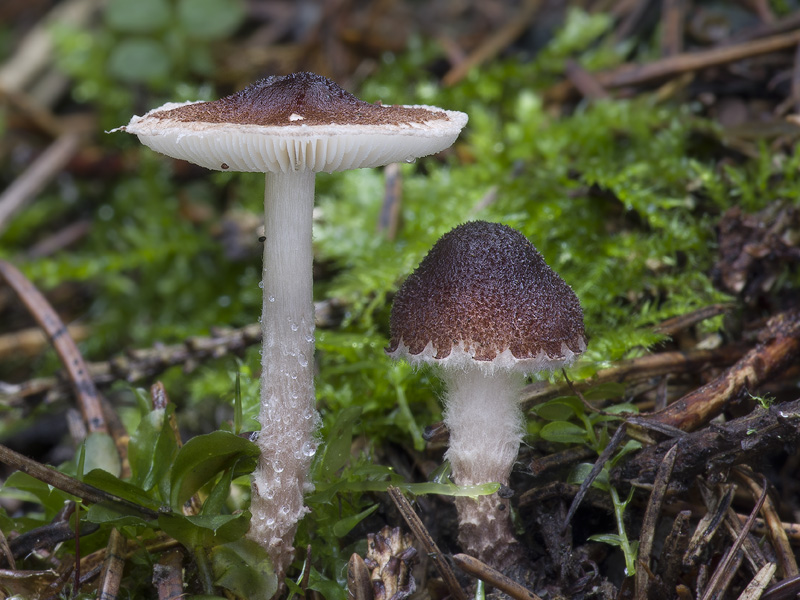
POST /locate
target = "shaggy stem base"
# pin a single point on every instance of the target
(486, 426)
(288, 413)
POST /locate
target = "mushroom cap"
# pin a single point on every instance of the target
(484, 296)
(293, 123)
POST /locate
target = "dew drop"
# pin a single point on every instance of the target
(309, 449)
(270, 522)
(261, 284)
(294, 326)
(284, 510)
(272, 298)
(302, 360)
(277, 467)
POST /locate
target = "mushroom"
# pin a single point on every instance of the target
(486, 309)
(290, 128)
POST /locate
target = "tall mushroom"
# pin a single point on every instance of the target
(484, 306)
(290, 128)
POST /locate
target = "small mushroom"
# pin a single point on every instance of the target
(486, 309)
(290, 128)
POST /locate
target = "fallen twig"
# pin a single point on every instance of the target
(779, 347)
(493, 577)
(143, 363)
(46, 166)
(48, 319)
(424, 537)
(65, 483)
(671, 66)
(652, 512)
(495, 43)
(717, 448)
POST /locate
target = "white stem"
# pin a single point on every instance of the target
(288, 408)
(485, 422)
(486, 428)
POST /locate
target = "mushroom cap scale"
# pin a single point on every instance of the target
(484, 296)
(294, 123)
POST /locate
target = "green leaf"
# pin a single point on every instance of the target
(50, 498)
(101, 453)
(244, 568)
(117, 514)
(205, 456)
(139, 16)
(342, 527)
(139, 61)
(327, 587)
(564, 432)
(608, 538)
(205, 530)
(152, 449)
(210, 19)
(114, 485)
(336, 452)
(581, 471)
(560, 409)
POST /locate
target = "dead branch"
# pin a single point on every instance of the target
(48, 319)
(779, 347)
(715, 449)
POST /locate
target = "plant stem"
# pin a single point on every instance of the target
(288, 414)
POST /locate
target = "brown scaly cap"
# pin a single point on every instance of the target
(295, 100)
(300, 122)
(484, 293)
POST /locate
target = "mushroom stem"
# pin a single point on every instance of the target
(288, 413)
(483, 447)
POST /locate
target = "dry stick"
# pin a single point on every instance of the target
(584, 81)
(30, 342)
(559, 460)
(168, 575)
(777, 534)
(783, 590)
(34, 53)
(48, 319)
(671, 66)
(113, 567)
(767, 358)
(424, 538)
(359, 585)
(493, 577)
(755, 589)
(630, 21)
(46, 166)
(654, 504)
(59, 480)
(604, 457)
(495, 43)
(635, 369)
(144, 362)
(682, 322)
(694, 61)
(672, 15)
(724, 566)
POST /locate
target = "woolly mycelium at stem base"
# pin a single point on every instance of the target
(483, 450)
(291, 128)
(485, 308)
